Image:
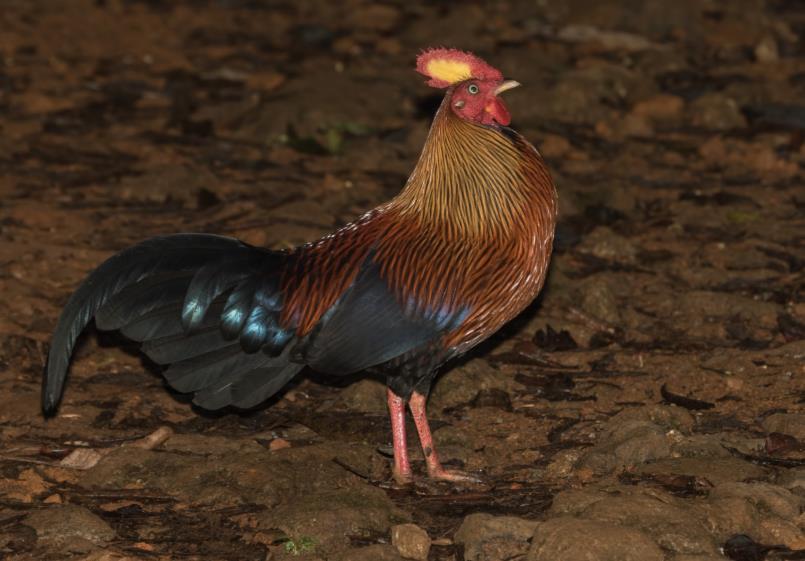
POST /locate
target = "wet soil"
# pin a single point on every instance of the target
(650, 405)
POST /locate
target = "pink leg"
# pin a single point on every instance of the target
(402, 466)
(435, 469)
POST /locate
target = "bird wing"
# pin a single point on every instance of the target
(370, 325)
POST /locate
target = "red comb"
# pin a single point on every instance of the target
(476, 67)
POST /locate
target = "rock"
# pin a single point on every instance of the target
(787, 423)
(167, 182)
(572, 539)
(81, 458)
(728, 516)
(767, 51)
(660, 108)
(765, 496)
(331, 517)
(460, 385)
(754, 156)
(605, 244)
(793, 479)
(634, 444)
(586, 94)
(487, 538)
(635, 436)
(364, 396)
(411, 541)
(596, 296)
(563, 464)
(378, 552)
(672, 523)
(779, 531)
(635, 125)
(67, 523)
(714, 471)
(716, 111)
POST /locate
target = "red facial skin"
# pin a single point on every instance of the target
(483, 106)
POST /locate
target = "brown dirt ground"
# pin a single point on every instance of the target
(650, 405)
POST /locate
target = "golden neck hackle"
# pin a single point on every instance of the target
(473, 181)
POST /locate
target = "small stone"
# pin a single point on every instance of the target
(81, 458)
(563, 464)
(265, 81)
(766, 51)
(411, 541)
(278, 444)
(661, 107)
(54, 499)
(716, 111)
(605, 244)
(635, 125)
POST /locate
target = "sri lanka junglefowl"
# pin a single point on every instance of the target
(409, 285)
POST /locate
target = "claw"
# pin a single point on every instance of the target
(455, 476)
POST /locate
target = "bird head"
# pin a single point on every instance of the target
(473, 85)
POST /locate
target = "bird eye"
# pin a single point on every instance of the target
(473, 89)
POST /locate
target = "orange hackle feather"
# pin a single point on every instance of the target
(472, 229)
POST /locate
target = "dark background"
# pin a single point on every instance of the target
(649, 406)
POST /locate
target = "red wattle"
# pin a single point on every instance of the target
(499, 111)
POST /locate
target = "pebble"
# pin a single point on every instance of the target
(716, 111)
(661, 107)
(411, 541)
(766, 51)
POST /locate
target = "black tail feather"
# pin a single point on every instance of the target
(147, 290)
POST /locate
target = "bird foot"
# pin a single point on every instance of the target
(456, 476)
(403, 478)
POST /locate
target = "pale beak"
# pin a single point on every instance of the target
(506, 86)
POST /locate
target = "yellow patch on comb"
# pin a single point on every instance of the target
(450, 71)
(446, 67)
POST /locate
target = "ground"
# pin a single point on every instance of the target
(650, 405)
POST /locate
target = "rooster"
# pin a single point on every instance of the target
(400, 291)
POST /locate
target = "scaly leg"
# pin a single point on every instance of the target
(435, 469)
(402, 466)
